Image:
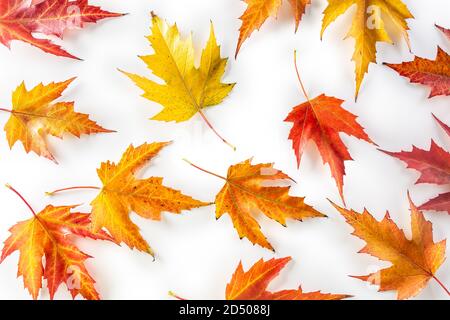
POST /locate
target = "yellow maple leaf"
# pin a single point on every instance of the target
(253, 187)
(258, 11)
(414, 262)
(368, 27)
(187, 90)
(122, 192)
(34, 115)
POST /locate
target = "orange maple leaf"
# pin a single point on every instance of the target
(122, 193)
(252, 284)
(321, 120)
(47, 236)
(435, 74)
(414, 262)
(258, 11)
(34, 116)
(20, 20)
(249, 187)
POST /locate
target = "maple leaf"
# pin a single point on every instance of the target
(252, 284)
(442, 201)
(187, 89)
(258, 11)
(414, 262)
(432, 73)
(48, 236)
(246, 189)
(321, 120)
(122, 193)
(19, 20)
(34, 116)
(445, 127)
(445, 31)
(368, 27)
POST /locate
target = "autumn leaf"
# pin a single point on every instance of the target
(321, 120)
(414, 262)
(35, 115)
(445, 31)
(432, 73)
(445, 127)
(122, 193)
(258, 11)
(368, 27)
(442, 201)
(47, 236)
(187, 90)
(439, 203)
(252, 284)
(20, 20)
(246, 189)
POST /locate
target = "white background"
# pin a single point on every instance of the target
(195, 254)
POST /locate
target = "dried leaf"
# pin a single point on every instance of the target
(20, 20)
(252, 284)
(414, 262)
(122, 193)
(48, 237)
(252, 187)
(187, 90)
(368, 27)
(432, 73)
(35, 115)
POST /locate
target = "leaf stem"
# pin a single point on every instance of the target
(71, 188)
(201, 169)
(215, 131)
(175, 296)
(441, 284)
(23, 199)
(6, 110)
(298, 76)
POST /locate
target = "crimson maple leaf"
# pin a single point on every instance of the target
(19, 20)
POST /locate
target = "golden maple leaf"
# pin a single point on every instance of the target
(187, 89)
(34, 116)
(414, 262)
(46, 236)
(258, 11)
(122, 192)
(247, 189)
(368, 27)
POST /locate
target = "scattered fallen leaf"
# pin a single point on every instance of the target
(122, 193)
(442, 201)
(251, 187)
(187, 90)
(252, 284)
(433, 165)
(48, 236)
(20, 20)
(445, 127)
(368, 27)
(432, 73)
(414, 262)
(445, 31)
(321, 120)
(35, 115)
(258, 11)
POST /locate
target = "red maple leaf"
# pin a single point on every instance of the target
(321, 120)
(19, 20)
